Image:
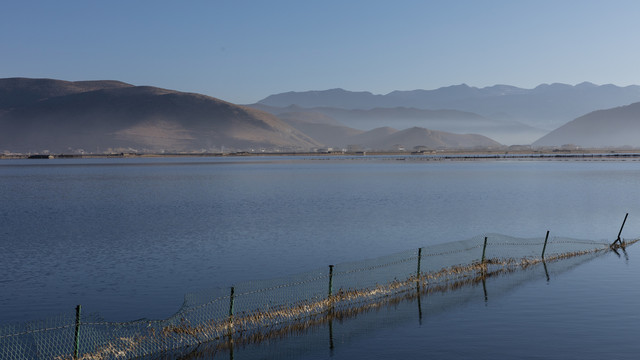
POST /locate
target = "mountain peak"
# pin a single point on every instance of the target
(586, 85)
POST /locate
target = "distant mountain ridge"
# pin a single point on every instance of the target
(545, 106)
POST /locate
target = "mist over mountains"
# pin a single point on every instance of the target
(46, 115)
(455, 121)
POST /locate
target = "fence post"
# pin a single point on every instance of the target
(418, 286)
(620, 232)
(230, 328)
(231, 296)
(484, 248)
(545, 244)
(76, 341)
(419, 258)
(330, 281)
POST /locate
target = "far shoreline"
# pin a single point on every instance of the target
(461, 154)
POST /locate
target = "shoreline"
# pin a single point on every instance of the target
(446, 154)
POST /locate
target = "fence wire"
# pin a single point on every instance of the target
(253, 311)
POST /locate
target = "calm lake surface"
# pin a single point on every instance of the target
(127, 238)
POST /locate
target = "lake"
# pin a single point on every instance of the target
(127, 238)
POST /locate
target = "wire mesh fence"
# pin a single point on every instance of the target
(252, 311)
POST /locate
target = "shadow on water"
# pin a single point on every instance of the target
(322, 335)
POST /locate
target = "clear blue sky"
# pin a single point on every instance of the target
(242, 51)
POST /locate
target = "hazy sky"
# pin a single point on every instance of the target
(243, 51)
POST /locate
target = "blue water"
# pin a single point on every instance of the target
(128, 237)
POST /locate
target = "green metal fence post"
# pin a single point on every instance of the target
(419, 258)
(330, 281)
(545, 244)
(230, 328)
(76, 341)
(231, 296)
(484, 248)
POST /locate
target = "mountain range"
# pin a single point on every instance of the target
(546, 106)
(47, 115)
